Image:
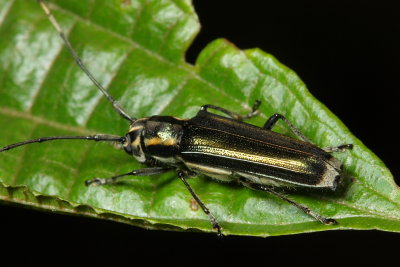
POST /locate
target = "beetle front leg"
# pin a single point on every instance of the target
(306, 210)
(236, 116)
(183, 175)
(139, 172)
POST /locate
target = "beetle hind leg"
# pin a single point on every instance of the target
(303, 208)
(270, 123)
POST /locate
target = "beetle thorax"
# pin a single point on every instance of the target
(162, 136)
(157, 137)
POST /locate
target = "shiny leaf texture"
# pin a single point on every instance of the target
(136, 49)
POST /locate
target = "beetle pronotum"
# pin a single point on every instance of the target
(222, 147)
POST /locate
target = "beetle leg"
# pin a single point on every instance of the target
(274, 118)
(341, 148)
(236, 116)
(183, 175)
(306, 210)
(140, 172)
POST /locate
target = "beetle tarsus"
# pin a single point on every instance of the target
(341, 148)
(218, 228)
(329, 221)
(236, 116)
(95, 182)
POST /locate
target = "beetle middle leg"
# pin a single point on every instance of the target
(341, 148)
(183, 175)
(306, 210)
(274, 119)
(139, 172)
(236, 116)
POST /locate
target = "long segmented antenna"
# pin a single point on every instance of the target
(96, 137)
(78, 61)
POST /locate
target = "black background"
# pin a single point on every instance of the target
(347, 52)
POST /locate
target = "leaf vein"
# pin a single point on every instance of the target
(4, 15)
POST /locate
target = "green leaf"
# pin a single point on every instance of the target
(136, 49)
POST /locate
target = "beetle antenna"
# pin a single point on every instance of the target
(96, 137)
(78, 61)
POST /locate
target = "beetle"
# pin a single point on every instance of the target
(224, 148)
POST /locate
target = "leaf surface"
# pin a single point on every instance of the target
(136, 50)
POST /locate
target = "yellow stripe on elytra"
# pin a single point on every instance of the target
(295, 165)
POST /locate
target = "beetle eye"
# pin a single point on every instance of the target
(128, 146)
(128, 149)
